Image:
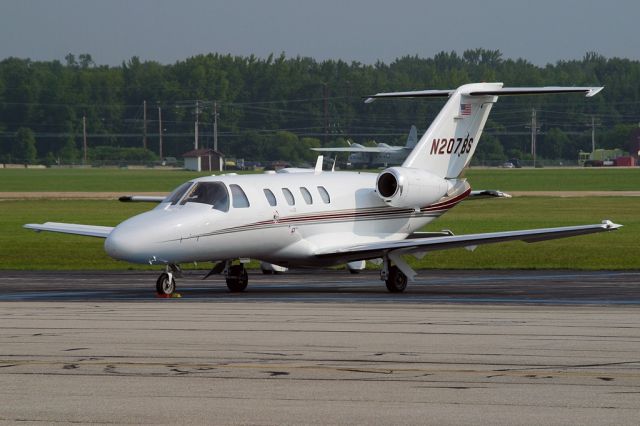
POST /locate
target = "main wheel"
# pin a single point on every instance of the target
(237, 279)
(397, 280)
(165, 286)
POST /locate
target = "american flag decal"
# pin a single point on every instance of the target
(465, 109)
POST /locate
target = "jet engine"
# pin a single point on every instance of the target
(409, 187)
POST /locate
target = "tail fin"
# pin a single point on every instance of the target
(448, 145)
(412, 139)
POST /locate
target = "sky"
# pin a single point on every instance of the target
(366, 31)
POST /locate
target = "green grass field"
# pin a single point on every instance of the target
(92, 180)
(594, 179)
(25, 249)
(574, 179)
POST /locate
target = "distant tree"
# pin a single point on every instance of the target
(489, 150)
(85, 60)
(553, 144)
(23, 149)
(115, 155)
(71, 60)
(68, 153)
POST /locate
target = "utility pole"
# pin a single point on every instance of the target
(593, 134)
(160, 131)
(534, 131)
(195, 144)
(326, 113)
(215, 127)
(144, 125)
(84, 138)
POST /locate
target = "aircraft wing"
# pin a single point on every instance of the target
(378, 249)
(72, 228)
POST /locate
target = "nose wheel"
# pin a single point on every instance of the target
(237, 278)
(166, 284)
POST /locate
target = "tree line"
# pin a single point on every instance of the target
(276, 108)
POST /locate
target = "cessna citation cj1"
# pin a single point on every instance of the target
(311, 218)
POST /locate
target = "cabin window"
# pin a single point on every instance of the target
(177, 193)
(270, 197)
(213, 193)
(240, 200)
(306, 195)
(288, 196)
(324, 195)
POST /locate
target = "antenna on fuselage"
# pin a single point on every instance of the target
(318, 168)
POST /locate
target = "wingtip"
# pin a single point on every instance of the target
(610, 225)
(594, 91)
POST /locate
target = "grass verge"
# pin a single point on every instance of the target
(113, 180)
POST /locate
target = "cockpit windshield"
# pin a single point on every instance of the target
(177, 193)
(213, 193)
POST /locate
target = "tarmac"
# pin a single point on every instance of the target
(321, 347)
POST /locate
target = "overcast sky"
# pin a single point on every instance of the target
(541, 31)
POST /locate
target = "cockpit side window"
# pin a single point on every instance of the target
(177, 193)
(213, 193)
(240, 199)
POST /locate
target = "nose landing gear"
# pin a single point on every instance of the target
(166, 283)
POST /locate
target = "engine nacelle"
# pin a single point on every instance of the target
(409, 187)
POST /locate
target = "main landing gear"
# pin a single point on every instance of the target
(393, 275)
(237, 278)
(396, 280)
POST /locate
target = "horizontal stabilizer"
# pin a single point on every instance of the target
(504, 91)
(370, 149)
(72, 228)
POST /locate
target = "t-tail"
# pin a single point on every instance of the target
(447, 146)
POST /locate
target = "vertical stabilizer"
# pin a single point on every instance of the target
(448, 144)
(412, 139)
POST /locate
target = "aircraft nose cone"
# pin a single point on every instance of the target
(134, 240)
(123, 245)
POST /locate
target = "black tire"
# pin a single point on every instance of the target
(267, 272)
(354, 271)
(397, 281)
(164, 286)
(238, 279)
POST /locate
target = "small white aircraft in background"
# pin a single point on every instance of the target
(379, 155)
(312, 218)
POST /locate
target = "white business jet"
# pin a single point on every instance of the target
(312, 218)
